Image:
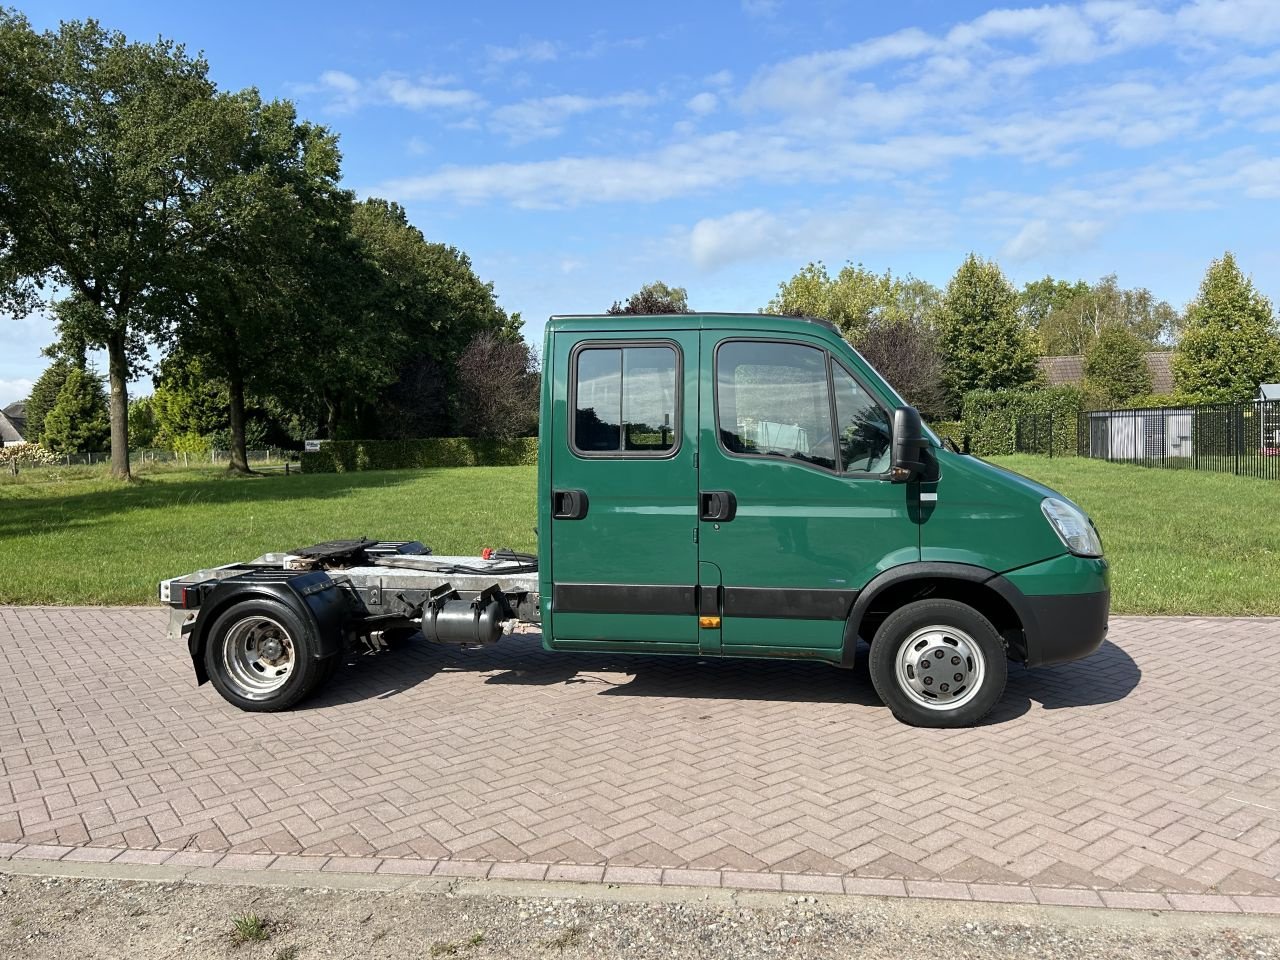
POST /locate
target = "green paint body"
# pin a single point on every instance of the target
(797, 528)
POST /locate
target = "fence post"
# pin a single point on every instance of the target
(1237, 422)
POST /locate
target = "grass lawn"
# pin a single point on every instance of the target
(91, 541)
(1179, 541)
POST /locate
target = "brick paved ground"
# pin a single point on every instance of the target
(1151, 768)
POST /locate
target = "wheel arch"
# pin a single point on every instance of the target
(984, 590)
(322, 612)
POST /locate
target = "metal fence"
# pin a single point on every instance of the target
(1035, 434)
(1243, 438)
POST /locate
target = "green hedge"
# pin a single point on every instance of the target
(341, 456)
(949, 428)
(992, 419)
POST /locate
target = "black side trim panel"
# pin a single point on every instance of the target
(788, 603)
(623, 598)
(754, 602)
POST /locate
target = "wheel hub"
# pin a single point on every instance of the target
(940, 667)
(258, 655)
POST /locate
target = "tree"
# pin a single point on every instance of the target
(98, 136)
(78, 421)
(906, 355)
(497, 388)
(890, 319)
(1068, 317)
(653, 298)
(985, 345)
(1115, 367)
(1229, 343)
(438, 306)
(44, 394)
(143, 425)
(276, 248)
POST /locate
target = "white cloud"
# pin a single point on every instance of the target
(528, 51)
(1250, 21)
(1039, 237)
(14, 390)
(703, 103)
(758, 234)
(347, 93)
(546, 116)
(721, 78)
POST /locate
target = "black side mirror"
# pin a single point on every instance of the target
(909, 443)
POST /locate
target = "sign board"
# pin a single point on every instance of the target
(313, 446)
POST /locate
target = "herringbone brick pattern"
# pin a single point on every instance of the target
(1152, 766)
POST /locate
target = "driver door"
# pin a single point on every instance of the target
(800, 449)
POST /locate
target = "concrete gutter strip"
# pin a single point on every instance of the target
(1117, 918)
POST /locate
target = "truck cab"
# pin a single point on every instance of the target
(748, 486)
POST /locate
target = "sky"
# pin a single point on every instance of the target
(578, 150)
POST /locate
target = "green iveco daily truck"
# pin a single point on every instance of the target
(708, 485)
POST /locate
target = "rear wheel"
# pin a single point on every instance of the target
(260, 657)
(938, 663)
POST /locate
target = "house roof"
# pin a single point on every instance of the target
(9, 432)
(17, 414)
(1069, 371)
(1269, 391)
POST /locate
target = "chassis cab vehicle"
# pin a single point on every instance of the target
(709, 485)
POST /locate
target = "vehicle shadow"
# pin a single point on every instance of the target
(1107, 676)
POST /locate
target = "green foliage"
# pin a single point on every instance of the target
(44, 394)
(187, 403)
(103, 138)
(991, 418)
(1068, 317)
(1147, 401)
(143, 425)
(1115, 367)
(78, 421)
(984, 344)
(654, 298)
(856, 298)
(1229, 343)
(953, 429)
(890, 319)
(342, 456)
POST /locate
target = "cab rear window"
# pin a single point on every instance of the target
(625, 400)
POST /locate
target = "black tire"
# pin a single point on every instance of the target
(305, 674)
(964, 645)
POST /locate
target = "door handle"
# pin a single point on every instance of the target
(568, 504)
(718, 505)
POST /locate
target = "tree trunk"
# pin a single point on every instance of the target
(239, 462)
(118, 373)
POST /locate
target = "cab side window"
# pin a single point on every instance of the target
(624, 401)
(865, 430)
(773, 400)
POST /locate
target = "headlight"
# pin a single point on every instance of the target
(1072, 527)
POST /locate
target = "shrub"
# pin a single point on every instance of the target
(28, 453)
(949, 428)
(991, 418)
(342, 456)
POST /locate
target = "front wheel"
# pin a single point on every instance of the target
(938, 663)
(260, 657)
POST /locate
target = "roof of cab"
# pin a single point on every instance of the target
(695, 319)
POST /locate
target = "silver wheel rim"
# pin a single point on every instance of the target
(940, 668)
(259, 656)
